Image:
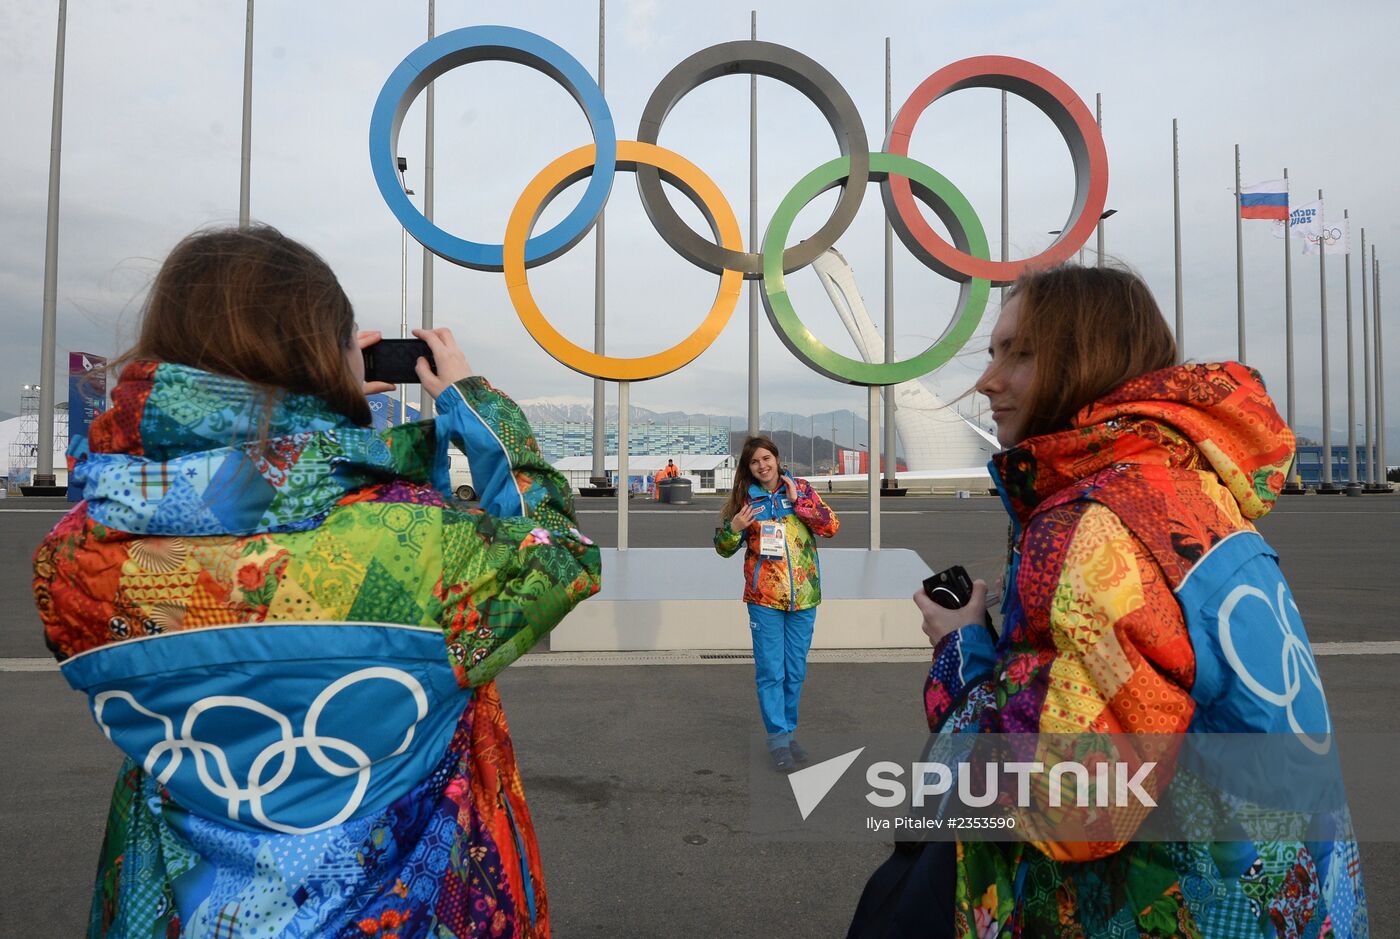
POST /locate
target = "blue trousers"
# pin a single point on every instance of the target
(781, 639)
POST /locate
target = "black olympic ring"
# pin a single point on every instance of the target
(754, 57)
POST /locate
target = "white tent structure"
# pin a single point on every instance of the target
(16, 466)
(935, 437)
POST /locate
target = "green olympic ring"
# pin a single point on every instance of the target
(950, 205)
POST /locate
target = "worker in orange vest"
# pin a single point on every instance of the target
(669, 471)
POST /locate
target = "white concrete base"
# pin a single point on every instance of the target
(688, 598)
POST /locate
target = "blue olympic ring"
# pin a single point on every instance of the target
(476, 44)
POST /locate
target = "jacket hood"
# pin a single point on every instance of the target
(1214, 418)
(182, 451)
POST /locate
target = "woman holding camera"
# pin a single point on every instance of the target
(1139, 599)
(774, 516)
(289, 627)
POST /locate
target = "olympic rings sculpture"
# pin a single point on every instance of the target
(903, 180)
(284, 749)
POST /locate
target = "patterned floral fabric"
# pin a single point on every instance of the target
(792, 582)
(208, 507)
(1127, 531)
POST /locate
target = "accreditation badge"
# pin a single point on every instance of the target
(771, 541)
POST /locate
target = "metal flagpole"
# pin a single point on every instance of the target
(403, 304)
(425, 400)
(598, 477)
(43, 472)
(1294, 484)
(1368, 461)
(891, 471)
(1005, 189)
(874, 474)
(1382, 466)
(1353, 482)
(1176, 220)
(247, 158)
(1326, 487)
(624, 407)
(1239, 258)
(1098, 117)
(754, 416)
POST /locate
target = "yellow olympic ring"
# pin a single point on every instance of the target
(559, 175)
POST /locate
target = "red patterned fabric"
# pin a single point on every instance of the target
(118, 429)
(1215, 418)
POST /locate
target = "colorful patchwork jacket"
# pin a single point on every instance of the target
(793, 581)
(293, 640)
(1135, 576)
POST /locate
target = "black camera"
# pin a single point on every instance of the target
(952, 589)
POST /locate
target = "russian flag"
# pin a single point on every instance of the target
(1268, 199)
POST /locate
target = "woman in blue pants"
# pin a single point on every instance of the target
(774, 516)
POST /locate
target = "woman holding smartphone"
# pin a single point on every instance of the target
(292, 632)
(774, 516)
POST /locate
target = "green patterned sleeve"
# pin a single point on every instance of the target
(727, 540)
(514, 568)
(508, 470)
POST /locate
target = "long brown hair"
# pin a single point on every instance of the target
(743, 478)
(1089, 329)
(255, 305)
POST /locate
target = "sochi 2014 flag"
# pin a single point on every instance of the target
(384, 410)
(1334, 237)
(1304, 222)
(1268, 199)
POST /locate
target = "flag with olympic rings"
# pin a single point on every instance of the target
(1332, 237)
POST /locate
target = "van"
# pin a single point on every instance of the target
(460, 476)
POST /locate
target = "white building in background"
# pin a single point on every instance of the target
(708, 472)
(934, 436)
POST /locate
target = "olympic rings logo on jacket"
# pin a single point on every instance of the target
(966, 260)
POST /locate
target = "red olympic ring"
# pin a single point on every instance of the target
(1058, 102)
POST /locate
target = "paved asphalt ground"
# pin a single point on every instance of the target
(638, 776)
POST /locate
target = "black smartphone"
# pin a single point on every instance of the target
(392, 360)
(952, 589)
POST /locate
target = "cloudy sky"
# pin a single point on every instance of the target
(151, 152)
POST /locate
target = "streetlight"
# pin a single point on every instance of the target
(1079, 259)
(402, 164)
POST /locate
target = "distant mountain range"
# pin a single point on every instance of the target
(848, 428)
